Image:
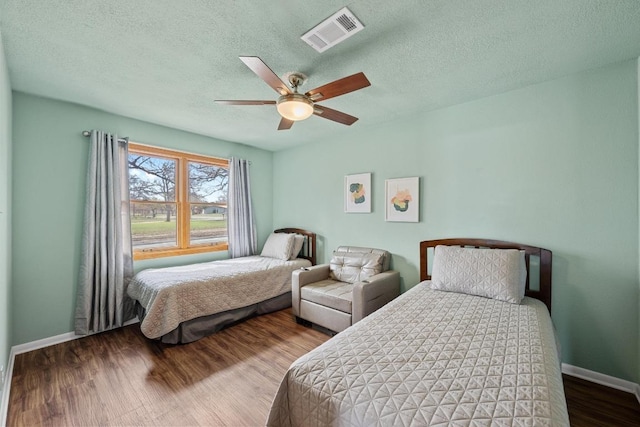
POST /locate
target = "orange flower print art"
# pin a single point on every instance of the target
(401, 200)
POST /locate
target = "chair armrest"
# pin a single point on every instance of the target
(302, 277)
(373, 293)
(312, 274)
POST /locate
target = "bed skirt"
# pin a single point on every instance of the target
(201, 327)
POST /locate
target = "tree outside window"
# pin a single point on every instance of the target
(178, 202)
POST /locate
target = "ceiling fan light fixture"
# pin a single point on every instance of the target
(295, 106)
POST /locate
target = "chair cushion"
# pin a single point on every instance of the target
(362, 250)
(330, 293)
(354, 267)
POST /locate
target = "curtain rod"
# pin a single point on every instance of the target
(87, 134)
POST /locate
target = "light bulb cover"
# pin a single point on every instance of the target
(295, 106)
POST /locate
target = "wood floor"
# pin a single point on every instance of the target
(121, 378)
(595, 405)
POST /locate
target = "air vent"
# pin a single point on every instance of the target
(333, 30)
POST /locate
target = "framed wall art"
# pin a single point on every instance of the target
(357, 193)
(402, 199)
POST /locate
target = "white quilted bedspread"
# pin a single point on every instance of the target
(431, 358)
(176, 294)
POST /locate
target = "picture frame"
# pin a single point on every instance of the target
(357, 193)
(402, 199)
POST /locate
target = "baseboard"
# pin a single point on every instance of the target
(45, 342)
(58, 339)
(30, 346)
(602, 379)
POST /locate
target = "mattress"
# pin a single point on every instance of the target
(431, 358)
(174, 295)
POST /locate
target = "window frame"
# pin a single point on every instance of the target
(183, 232)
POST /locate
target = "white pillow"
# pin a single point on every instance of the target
(298, 242)
(354, 267)
(493, 273)
(278, 245)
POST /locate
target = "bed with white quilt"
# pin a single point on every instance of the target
(185, 303)
(464, 347)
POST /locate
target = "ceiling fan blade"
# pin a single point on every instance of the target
(335, 115)
(285, 124)
(339, 87)
(265, 73)
(239, 102)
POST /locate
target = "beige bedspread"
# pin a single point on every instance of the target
(431, 358)
(176, 294)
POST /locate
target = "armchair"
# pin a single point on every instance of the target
(353, 285)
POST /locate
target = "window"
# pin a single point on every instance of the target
(178, 202)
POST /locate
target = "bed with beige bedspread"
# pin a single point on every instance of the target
(432, 358)
(173, 295)
(185, 303)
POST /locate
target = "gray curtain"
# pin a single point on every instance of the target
(106, 264)
(240, 224)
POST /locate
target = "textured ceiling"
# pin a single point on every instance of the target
(165, 61)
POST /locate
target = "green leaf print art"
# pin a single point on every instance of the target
(357, 193)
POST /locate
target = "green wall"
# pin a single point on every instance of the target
(49, 167)
(638, 93)
(5, 211)
(552, 165)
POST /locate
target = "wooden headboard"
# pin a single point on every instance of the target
(309, 247)
(544, 256)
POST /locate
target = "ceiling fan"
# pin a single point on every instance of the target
(294, 106)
